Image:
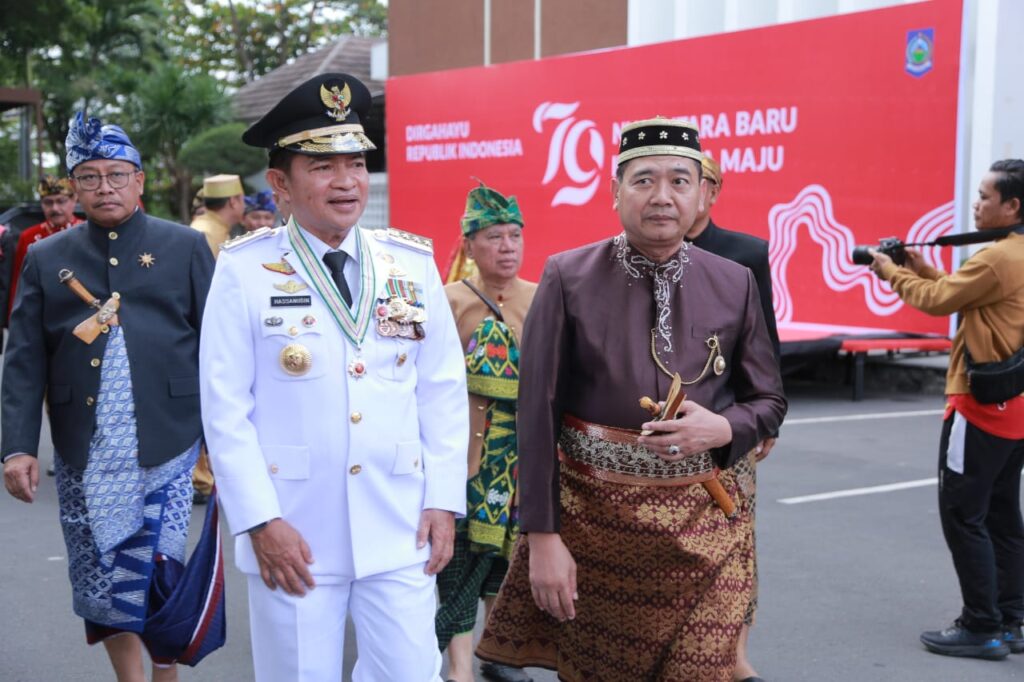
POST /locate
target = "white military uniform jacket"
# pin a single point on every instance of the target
(349, 462)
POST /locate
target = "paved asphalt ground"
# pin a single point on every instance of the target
(847, 583)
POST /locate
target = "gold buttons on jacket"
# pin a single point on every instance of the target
(293, 331)
(356, 417)
(355, 470)
(105, 328)
(90, 400)
(112, 235)
(273, 468)
(113, 261)
(95, 362)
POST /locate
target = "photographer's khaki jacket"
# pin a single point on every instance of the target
(988, 291)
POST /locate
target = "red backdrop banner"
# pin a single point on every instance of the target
(831, 133)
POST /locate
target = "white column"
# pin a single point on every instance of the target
(846, 6)
(537, 14)
(650, 21)
(487, 32)
(741, 14)
(699, 18)
(997, 107)
(798, 10)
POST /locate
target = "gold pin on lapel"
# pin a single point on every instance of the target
(291, 286)
(281, 267)
(146, 260)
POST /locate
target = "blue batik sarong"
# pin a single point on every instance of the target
(119, 518)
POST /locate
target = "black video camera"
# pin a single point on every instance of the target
(890, 246)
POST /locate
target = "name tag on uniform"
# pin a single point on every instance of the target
(290, 301)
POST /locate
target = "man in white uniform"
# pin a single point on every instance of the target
(334, 408)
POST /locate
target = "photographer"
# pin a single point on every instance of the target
(981, 450)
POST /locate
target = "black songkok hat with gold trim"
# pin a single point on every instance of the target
(320, 117)
(659, 137)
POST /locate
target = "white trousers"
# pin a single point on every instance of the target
(302, 639)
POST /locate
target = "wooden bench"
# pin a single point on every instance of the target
(858, 350)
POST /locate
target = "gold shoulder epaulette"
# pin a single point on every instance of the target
(247, 238)
(413, 241)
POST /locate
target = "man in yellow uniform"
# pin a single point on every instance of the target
(224, 200)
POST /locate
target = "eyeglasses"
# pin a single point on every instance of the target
(92, 181)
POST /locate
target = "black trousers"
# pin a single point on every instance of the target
(981, 519)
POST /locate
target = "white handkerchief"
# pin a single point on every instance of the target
(955, 449)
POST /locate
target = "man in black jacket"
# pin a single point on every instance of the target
(751, 251)
(121, 383)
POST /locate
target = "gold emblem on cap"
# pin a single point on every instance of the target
(296, 359)
(336, 101)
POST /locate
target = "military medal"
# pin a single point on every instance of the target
(146, 260)
(387, 327)
(273, 321)
(308, 321)
(296, 359)
(356, 368)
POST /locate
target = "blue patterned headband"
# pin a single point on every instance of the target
(90, 140)
(261, 201)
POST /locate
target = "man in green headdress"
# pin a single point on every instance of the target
(490, 307)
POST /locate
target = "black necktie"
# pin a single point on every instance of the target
(335, 261)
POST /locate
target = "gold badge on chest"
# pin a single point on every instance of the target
(296, 359)
(291, 286)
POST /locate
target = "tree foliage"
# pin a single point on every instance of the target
(240, 41)
(162, 69)
(220, 149)
(113, 44)
(167, 107)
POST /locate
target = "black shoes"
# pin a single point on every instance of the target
(1014, 639)
(956, 640)
(497, 672)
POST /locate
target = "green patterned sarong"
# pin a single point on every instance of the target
(485, 538)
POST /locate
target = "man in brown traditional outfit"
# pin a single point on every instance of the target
(489, 308)
(629, 571)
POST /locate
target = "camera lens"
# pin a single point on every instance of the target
(861, 255)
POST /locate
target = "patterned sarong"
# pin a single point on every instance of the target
(119, 519)
(664, 581)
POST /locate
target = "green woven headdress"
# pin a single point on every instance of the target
(486, 207)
